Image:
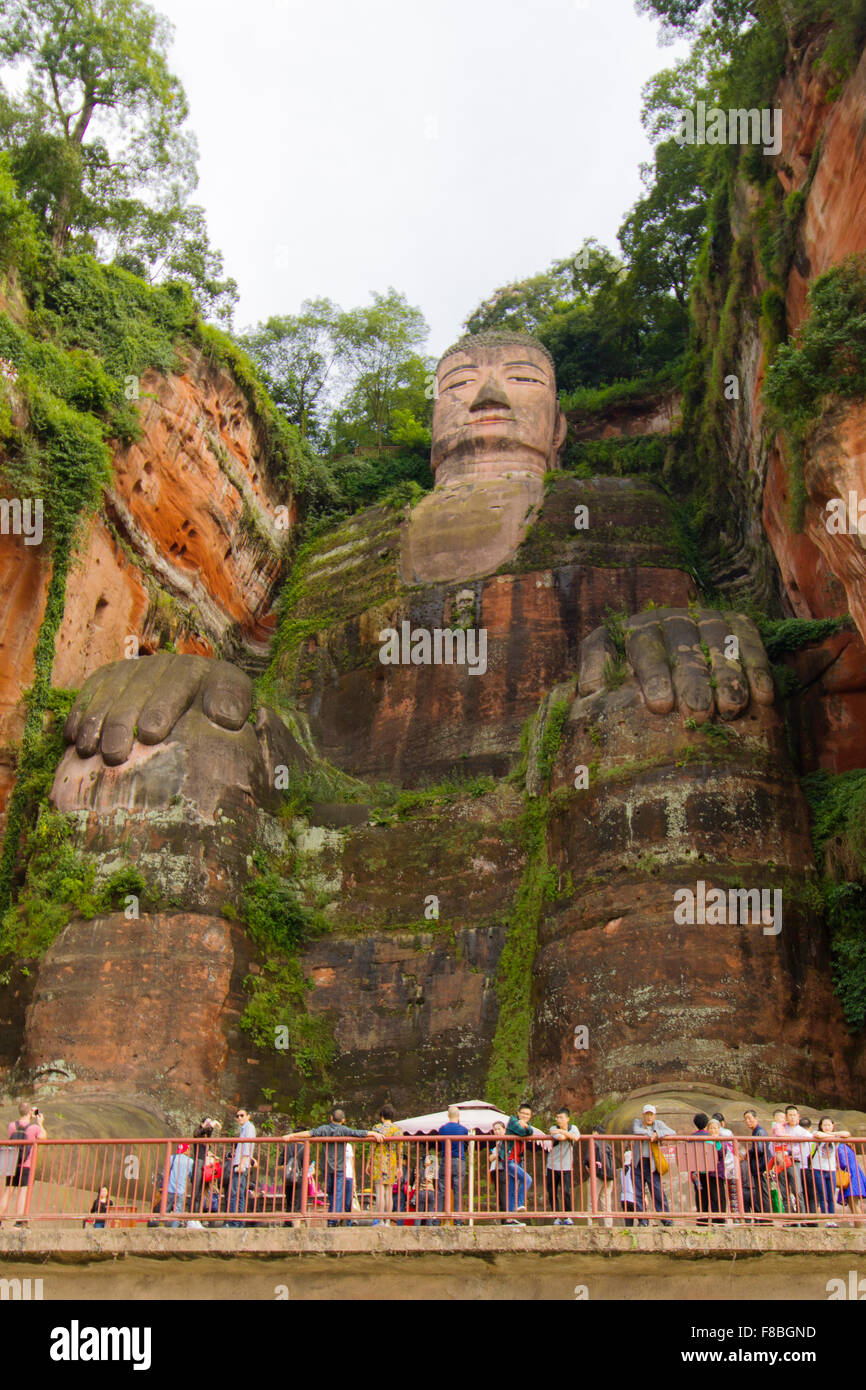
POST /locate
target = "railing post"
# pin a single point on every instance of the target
(470, 1158)
(165, 1172)
(738, 1179)
(593, 1178)
(449, 1204)
(305, 1178)
(31, 1178)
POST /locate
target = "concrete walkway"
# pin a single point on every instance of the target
(438, 1263)
(82, 1245)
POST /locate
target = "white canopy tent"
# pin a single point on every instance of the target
(478, 1115)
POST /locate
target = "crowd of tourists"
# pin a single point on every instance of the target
(407, 1182)
(799, 1168)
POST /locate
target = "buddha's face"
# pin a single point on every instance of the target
(496, 411)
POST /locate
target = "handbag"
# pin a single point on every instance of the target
(8, 1161)
(843, 1179)
(659, 1159)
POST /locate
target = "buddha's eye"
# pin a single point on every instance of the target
(456, 385)
(534, 380)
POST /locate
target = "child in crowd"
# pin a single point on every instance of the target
(626, 1186)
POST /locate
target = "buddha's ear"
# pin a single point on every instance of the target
(559, 432)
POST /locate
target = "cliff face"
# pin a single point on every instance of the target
(194, 500)
(553, 901)
(413, 723)
(187, 549)
(812, 572)
(823, 574)
(823, 158)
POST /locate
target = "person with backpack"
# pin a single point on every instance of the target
(717, 1186)
(29, 1127)
(754, 1167)
(338, 1163)
(700, 1160)
(292, 1159)
(206, 1130)
(728, 1161)
(600, 1157)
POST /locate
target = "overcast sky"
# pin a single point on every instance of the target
(444, 149)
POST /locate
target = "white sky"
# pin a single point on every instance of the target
(444, 149)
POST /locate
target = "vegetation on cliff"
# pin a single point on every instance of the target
(838, 806)
(508, 1074)
(75, 342)
(826, 362)
(276, 1015)
(60, 883)
(91, 331)
(509, 1068)
(737, 62)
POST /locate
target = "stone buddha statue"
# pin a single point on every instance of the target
(497, 433)
(497, 429)
(168, 758)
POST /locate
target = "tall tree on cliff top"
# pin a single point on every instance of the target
(377, 346)
(690, 16)
(96, 138)
(296, 354)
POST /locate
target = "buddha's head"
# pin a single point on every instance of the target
(496, 409)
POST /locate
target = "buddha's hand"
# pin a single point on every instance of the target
(702, 662)
(142, 700)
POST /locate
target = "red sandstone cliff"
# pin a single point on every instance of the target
(822, 574)
(186, 550)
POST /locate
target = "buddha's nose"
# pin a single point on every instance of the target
(490, 392)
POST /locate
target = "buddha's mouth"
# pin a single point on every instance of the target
(492, 420)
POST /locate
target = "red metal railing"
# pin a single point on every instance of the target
(420, 1180)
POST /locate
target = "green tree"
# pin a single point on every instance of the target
(691, 16)
(524, 304)
(662, 233)
(96, 140)
(297, 355)
(377, 346)
(172, 243)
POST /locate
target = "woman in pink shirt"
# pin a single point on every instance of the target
(27, 1126)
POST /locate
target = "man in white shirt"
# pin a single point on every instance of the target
(800, 1153)
(242, 1163)
(560, 1167)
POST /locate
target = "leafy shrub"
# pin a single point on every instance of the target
(59, 883)
(19, 237)
(782, 635)
(273, 913)
(276, 999)
(838, 805)
(829, 356)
